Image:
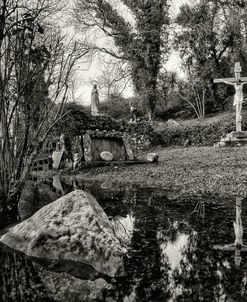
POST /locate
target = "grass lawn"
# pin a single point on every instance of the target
(193, 170)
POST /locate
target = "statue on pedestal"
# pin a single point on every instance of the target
(94, 100)
(238, 100)
(238, 83)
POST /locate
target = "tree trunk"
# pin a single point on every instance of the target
(150, 112)
(150, 102)
(9, 199)
(215, 96)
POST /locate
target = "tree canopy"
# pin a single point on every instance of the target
(140, 44)
(211, 36)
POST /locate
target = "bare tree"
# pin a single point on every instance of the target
(36, 64)
(114, 77)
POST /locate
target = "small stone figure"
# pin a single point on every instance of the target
(62, 142)
(76, 160)
(57, 147)
(94, 100)
(133, 111)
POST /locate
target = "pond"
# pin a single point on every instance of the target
(180, 249)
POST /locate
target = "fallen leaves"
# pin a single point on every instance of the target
(220, 171)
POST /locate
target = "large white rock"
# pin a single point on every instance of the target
(74, 227)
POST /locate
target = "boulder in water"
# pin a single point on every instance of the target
(74, 227)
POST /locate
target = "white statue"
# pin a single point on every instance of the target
(94, 100)
(238, 100)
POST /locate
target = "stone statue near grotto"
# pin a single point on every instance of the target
(133, 111)
(95, 101)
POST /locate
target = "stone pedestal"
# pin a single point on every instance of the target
(238, 120)
(235, 138)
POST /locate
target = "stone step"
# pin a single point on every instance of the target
(232, 143)
(229, 139)
(237, 134)
(235, 138)
(244, 139)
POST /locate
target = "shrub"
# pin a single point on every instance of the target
(204, 134)
(118, 107)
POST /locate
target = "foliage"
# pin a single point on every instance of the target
(141, 127)
(165, 86)
(119, 107)
(209, 39)
(36, 64)
(139, 44)
(192, 92)
(74, 121)
(197, 134)
(114, 77)
(77, 121)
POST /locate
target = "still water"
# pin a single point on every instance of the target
(189, 248)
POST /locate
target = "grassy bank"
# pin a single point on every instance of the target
(193, 170)
(198, 132)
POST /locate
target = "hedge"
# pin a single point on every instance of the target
(197, 135)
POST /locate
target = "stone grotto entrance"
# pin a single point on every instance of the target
(115, 142)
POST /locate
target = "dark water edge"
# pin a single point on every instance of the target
(171, 253)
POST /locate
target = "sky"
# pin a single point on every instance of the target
(86, 73)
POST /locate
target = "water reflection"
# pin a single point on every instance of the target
(124, 227)
(56, 182)
(237, 247)
(19, 278)
(199, 210)
(172, 256)
(175, 246)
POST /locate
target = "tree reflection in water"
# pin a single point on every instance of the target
(19, 281)
(174, 251)
(144, 276)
